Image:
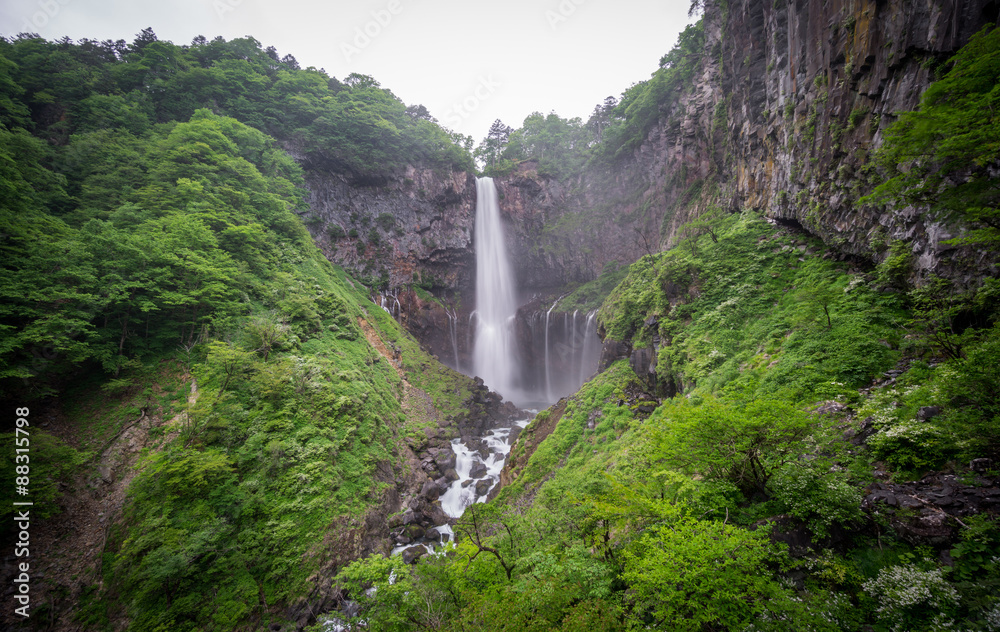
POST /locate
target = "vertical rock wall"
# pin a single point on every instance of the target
(808, 88)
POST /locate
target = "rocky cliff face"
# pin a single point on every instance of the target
(789, 102)
(414, 228)
(808, 88)
(566, 232)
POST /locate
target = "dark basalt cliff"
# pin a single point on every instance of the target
(782, 115)
(807, 89)
(789, 102)
(416, 227)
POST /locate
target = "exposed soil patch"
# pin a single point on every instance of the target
(66, 549)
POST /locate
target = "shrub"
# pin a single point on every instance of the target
(821, 498)
(696, 575)
(907, 597)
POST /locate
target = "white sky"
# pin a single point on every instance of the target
(501, 60)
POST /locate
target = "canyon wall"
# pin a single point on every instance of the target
(808, 89)
(788, 102)
(413, 228)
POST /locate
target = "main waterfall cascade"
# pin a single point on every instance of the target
(545, 367)
(566, 352)
(494, 355)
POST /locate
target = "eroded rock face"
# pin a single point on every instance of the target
(812, 87)
(929, 511)
(416, 226)
(555, 235)
(790, 101)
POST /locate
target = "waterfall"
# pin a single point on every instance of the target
(393, 309)
(453, 330)
(590, 353)
(574, 342)
(548, 365)
(493, 354)
(458, 497)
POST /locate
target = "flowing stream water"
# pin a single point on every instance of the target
(494, 359)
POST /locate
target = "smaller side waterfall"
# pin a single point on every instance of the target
(590, 354)
(389, 301)
(568, 350)
(453, 332)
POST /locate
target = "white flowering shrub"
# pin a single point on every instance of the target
(911, 599)
(902, 441)
(910, 445)
(807, 611)
(993, 619)
(820, 498)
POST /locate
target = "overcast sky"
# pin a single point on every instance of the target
(468, 62)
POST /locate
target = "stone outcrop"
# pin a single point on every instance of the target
(930, 511)
(413, 227)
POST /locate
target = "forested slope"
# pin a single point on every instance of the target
(220, 418)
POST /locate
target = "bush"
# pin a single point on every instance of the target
(911, 599)
(696, 575)
(820, 498)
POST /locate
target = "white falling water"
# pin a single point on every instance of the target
(548, 364)
(496, 305)
(590, 354)
(453, 331)
(458, 497)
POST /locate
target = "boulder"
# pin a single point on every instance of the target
(478, 470)
(431, 490)
(414, 553)
(926, 413)
(483, 486)
(414, 531)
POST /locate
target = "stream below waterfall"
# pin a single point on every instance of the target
(478, 462)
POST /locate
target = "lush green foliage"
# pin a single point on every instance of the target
(170, 261)
(696, 573)
(747, 309)
(559, 145)
(133, 241)
(743, 444)
(353, 126)
(52, 464)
